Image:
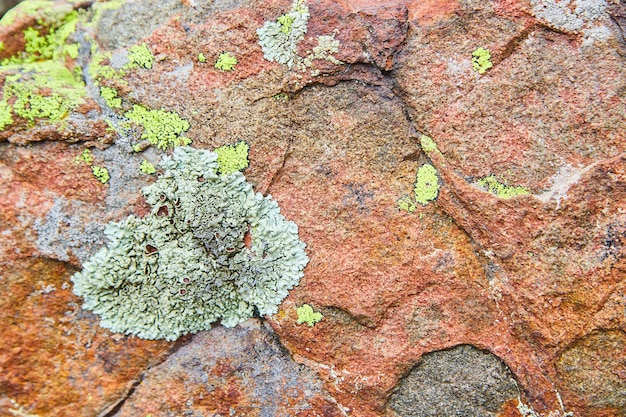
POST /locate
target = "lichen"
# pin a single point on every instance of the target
(43, 11)
(201, 57)
(481, 60)
(426, 185)
(226, 62)
(110, 97)
(101, 173)
(406, 203)
(85, 157)
(5, 114)
(161, 128)
(494, 186)
(147, 168)
(99, 71)
(231, 158)
(139, 56)
(279, 40)
(211, 249)
(428, 145)
(307, 315)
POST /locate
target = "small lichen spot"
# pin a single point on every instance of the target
(226, 62)
(307, 315)
(481, 60)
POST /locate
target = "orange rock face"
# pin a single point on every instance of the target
(524, 295)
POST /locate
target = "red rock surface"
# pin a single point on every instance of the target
(536, 280)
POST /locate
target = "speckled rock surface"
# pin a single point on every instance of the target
(532, 287)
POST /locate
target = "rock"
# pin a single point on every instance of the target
(531, 286)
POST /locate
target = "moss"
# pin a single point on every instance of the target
(139, 56)
(44, 90)
(186, 265)
(147, 168)
(481, 60)
(101, 173)
(85, 157)
(201, 57)
(494, 186)
(428, 145)
(161, 128)
(307, 315)
(426, 185)
(226, 62)
(232, 158)
(110, 97)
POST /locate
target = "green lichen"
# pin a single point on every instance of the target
(226, 62)
(101, 173)
(186, 265)
(43, 11)
(307, 315)
(147, 168)
(43, 90)
(279, 40)
(481, 60)
(428, 145)
(232, 158)
(407, 204)
(201, 57)
(85, 157)
(5, 115)
(99, 71)
(426, 185)
(161, 128)
(139, 56)
(494, 186)
(110, 97)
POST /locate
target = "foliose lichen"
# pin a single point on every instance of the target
(231, 158)
(226, 62)
(201, 57)
(211, 249)
(101, 173)
(426, 185)
(496, 187)
(147, 168)
(279, 40)
(109, 95)
(307, 315)
(139, 56)
(481, 60)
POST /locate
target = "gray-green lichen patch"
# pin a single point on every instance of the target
(279, 40)
(189, 263)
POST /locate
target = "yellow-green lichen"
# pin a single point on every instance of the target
(232, 158)
(98, 71)
(139, 56)
(5, 114)
(500, 189)
(426, 185)
(85, 157)
(110, 97)
(428, 145)
(307, 315)
(147, 168)
(161, 128)
(101, 173)
(407, 204)
(201, 57)
(43, 90)
(226, 62)
(42, 10)
(481, 60)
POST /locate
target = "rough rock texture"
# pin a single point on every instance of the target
(536, 282)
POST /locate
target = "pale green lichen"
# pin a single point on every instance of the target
(201, 57)
(5, 114)
(161, 128)
(324, 50)
(147, 168)
(481, 60)
(110, 97)
(187, 264)
(231, 158)
(496, 187)
(101, 173)
(279, 40)
(226, 62)
(428, 145)
(426, 185)
(139, 56)
(307, 315)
